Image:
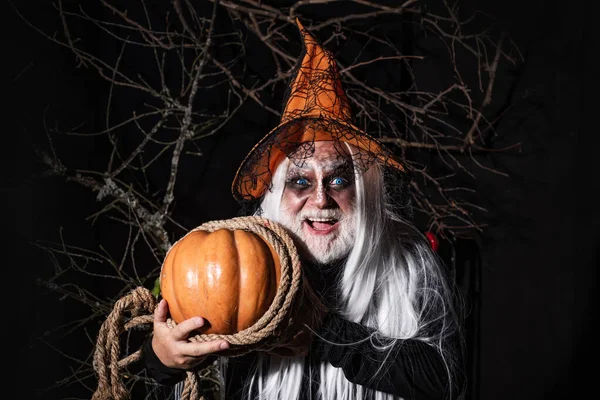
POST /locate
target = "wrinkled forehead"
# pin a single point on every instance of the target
(322, 156)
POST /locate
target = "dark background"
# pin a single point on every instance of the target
(538, 258)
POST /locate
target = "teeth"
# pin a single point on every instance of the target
(322, 219)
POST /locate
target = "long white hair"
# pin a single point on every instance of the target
(391, 282)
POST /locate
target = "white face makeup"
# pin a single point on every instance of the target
(318, 203)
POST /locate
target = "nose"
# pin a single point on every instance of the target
(320, 198)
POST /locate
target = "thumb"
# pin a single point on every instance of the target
(161, 312)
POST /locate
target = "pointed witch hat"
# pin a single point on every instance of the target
(316, 109)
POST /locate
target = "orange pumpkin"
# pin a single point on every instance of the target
(228, 277)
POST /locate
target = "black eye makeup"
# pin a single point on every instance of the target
(339, 177)
(338, 182)
(335, 181)
(298, 182)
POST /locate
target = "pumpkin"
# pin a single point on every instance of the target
(228, 277)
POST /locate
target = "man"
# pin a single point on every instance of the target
(385, 325)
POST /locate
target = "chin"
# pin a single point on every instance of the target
(321, 240)
(325, 249)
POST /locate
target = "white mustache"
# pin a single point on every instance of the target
(321, 214)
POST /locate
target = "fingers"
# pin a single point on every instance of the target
(161, 312)
(172, 345)
(189, 354)
(196, 349)
(182, 331)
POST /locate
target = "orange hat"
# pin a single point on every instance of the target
(316, 109)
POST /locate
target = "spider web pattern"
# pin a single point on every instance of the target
(316, 108)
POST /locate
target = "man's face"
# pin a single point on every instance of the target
(318, 202)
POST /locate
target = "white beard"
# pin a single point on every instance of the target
(322, 249)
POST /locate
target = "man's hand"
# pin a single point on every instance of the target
(172, 346)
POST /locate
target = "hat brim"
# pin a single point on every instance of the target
(255, 173)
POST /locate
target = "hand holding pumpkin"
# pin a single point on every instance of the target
(229, 277)
(172, 346)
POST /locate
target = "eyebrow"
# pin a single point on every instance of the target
(330, 167)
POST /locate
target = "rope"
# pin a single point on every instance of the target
(268, 332)
(106, 356)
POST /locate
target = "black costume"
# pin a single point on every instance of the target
(412, 370)
(317, 109)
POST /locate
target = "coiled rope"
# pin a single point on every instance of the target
(270, 331)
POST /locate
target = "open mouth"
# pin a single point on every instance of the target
(321, 225)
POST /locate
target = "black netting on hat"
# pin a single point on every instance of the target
(316, 109)
(296, 141)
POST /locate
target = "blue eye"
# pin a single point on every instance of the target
(338, 181)
(298, 183)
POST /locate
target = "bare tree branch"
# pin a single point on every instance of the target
(190, 51)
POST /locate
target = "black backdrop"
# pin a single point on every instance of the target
(538, 258)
